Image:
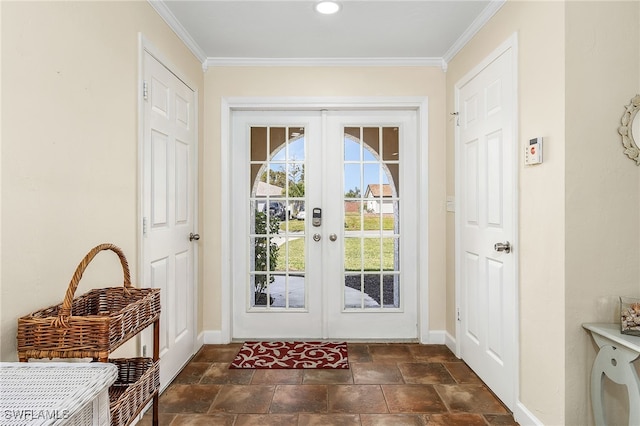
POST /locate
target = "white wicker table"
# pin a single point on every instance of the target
(55, 393)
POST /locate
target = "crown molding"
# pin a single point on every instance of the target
(168, 16)
(325, 62)
(488, 12)
(161, 8)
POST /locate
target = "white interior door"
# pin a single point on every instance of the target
(486, 192)
(318, 248)
(169, 172)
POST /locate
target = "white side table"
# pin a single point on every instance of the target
(615, 356)
(55, 393)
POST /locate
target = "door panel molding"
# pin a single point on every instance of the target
(231, 104)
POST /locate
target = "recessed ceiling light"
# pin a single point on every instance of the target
(327, 7)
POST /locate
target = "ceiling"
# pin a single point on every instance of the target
(411, 32)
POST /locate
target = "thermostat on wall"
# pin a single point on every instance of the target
(533, 152)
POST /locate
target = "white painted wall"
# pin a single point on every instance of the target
(69, 145)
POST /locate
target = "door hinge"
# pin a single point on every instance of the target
(144, 350)
(144, 226)
(458, 313)
(145, 90)
(457, 115)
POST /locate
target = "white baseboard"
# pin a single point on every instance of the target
(212, 337)
(436, 337)
(450, 342)
(216, 337)
(524, 417)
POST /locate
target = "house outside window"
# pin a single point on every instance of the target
(378, 199)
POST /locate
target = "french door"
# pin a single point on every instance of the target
(324, 242)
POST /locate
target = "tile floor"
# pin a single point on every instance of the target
(387, 384)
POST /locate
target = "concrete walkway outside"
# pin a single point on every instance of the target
(296, 294)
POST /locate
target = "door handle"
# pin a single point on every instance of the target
(333, 237)
(505, 247)
(316, 237)
(193, 237)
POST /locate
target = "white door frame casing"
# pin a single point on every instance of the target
(231, 104)
(146, 47)
(510, 43)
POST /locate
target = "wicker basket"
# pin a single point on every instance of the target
(138, 381)
(92, 325)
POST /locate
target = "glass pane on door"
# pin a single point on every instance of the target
(277, 241)
(371, 218)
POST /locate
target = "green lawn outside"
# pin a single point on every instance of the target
(352, 255)
(371, 222)
(294, 225)
(351, 223)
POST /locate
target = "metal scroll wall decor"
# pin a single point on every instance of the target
(629, 128)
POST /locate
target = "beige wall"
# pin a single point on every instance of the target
(69, 165)
(578, 66)
(332, 82)
(540, 31)
(70, 144)
(601, 186)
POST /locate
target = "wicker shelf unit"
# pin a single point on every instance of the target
(93, 326)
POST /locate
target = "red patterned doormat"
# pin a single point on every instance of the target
(291, 355)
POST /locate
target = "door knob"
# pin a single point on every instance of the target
(193, 236)
(505, 247)
(333, 237)
(316, 237)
